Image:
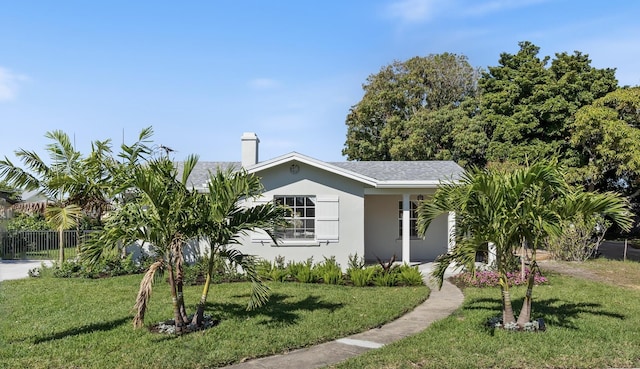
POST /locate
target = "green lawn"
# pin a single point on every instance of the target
(51, 254)
(71, 323)
(590, 325)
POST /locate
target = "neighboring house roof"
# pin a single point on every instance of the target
(200, 173)
(379, 174)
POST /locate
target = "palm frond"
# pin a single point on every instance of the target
(188, 166)
(259, 291)
(61, 218)
(18, 177)
(144, 294)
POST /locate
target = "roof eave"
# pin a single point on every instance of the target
(412, 184)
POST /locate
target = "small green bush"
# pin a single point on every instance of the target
(302, 271)
(79, 269)
(329, 271)
(409, 276)
(384, 279)
(361, 277)
(275, 271)
(355, 262)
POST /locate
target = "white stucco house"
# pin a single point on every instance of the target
(340, 209)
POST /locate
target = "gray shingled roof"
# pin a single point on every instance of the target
(404, 170)
(377, 170)
(200, 173)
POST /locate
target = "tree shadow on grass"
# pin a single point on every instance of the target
(86, 329)
(554, 311)
(277, 310)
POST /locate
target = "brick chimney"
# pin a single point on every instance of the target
(250, 143)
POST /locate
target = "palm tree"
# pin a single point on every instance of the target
(224, 217)
(510, 209)
(52, 179)
(61, 218)
(162, 218)
(69, 177)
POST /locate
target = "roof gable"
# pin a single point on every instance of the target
(378, 174)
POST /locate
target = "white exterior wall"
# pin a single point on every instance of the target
(382, 238)
(311, 181)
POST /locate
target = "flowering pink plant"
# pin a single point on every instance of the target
(489, 278)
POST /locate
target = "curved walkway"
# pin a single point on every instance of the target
(440, 304)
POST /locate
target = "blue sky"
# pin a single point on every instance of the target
(203, 72)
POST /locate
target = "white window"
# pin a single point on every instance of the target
(413, 219)
(301, 216)
(312, 220)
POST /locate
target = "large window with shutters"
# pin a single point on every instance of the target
(311, 220)
(300, 216)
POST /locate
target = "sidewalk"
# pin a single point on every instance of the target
(17, 269)
(440, 304)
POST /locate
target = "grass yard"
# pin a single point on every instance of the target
(44, 254)
(72, 323)
(590, 325)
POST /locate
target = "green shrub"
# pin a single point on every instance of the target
(355, 262)
(409, 276)
(302, 271)
(384, 279)
(196, 272)
(275, 271)
(68, 269)
(361, 277)
(579, 239)
(79, 269)
(329, 271)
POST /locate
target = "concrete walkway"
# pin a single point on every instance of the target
(440, 304)
(18, 269)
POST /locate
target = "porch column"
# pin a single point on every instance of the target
(406, 231)
(451, 231)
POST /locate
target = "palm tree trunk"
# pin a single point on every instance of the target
(177, 316)
(523, 255)
(525, 312)
(198, 317)
(61, 246)
(507, 307)
(179, 277)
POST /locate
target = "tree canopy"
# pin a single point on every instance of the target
(525, 108)
(399, 105)
(528, 107)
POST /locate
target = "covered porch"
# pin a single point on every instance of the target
(390, 218)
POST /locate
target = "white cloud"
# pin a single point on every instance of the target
(412, 11)
(479, 8)
(264, 83)
(9, 83)
(416, 11)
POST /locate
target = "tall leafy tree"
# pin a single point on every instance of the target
(399, 98)
(509, 209)
(528, 106)
(606, 133)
